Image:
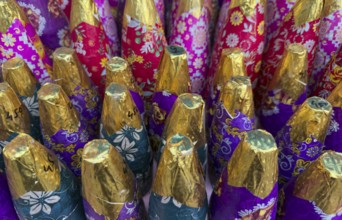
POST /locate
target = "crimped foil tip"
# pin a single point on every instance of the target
(311, 119)
(291, 74)
(119, 109)
(191, 6)
(321, 182)
(119, 71)
(254, 164)
(68, 71)
(237, 95)
(173, 75)
(144, 11)
(16, 72)
(180, 174)
(30, 166)
(304, 14)
(14, 116)
(330, 6)
(56, 110)
(335, 98)
(231, 64)
(247, 6)
(107, 180)
(83, 11)
(10, 10)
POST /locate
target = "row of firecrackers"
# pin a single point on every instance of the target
(65, 114)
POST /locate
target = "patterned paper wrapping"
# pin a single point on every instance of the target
(332, 76)
(243, 28)
(233, 118)
(301, 140)
(221, 19)
(173, 80)
(7, 211)
(19, 39)
(179, 193)
(109, 188)
(190, 29)
(65, 5)
(317, 191)
(70, 75)
(93, 37)
(330, 39)
(287, 90)
(41, 186)
(248, 186)
(63, 131)
(143, 42)
(187, 117)
(160, 6)
(119, 71)
(49, 21)
(123, 127)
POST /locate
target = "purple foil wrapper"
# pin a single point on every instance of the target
(139, 102)
(7, 211)
(333, 140)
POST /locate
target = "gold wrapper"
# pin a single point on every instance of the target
(311, 119)
(291, 74)
(247, 6)
(187, 118)
(321, 182)
(305, 11)
(231, 64)
(119, 71)
(83, 11)
(330, 6)
(335, 97)
(107, 180)
(144, 11)
(14, 116)
(119, 109)
(56, 110)
(193, 7)
(254, 164)
(237, 95)
(180, 174)
(30, 166)
(10, 10)
(173, 75)
(68, 71)
(19, 76)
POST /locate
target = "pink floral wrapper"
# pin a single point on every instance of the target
(65, 5)
(161, 10)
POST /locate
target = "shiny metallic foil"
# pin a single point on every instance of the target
(311, 119)
(335, 98)
(56, 110)
(19, 76)
(107, 180)
(119, 109)
(330, 6)
(68, 71)
(180, 174)
(247, 6)
(85, 11)
(192, 6)
(291, 74)
(187, 118)
(14, 116)
(237, 95)
(231, 64)
(141, 10)
(254, 164)
(119, 71)
(10, 10)
(305, 11)
(30, 166)
(321, 182)
(173, 73)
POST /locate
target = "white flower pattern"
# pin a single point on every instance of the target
(128, 149)
(40, 201)
(32, 105)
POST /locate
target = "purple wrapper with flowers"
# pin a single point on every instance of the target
(226, 133)
(139, 102)
(229, 202)
(161, 10)
(295, 157)
(7, 211)
(274, 116)
(333, 140)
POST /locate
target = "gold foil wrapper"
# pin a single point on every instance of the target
(335, 97)
(30, 166)
(56, 110)
(14, 116)
(305, 11)
(10, 10)
(19, 76)
(187, 118)
(193, 7)
(311, 119)
(144, 11)
(237, 95)
(291, 74)
(231, 64)
(83, 11)
(330, 6)
(254, 164)
(180, 174)
(68, 71)
(119, 71)
(321, 182)
(173, 75)
(119, 109)
(107, 180)
(247, 6)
